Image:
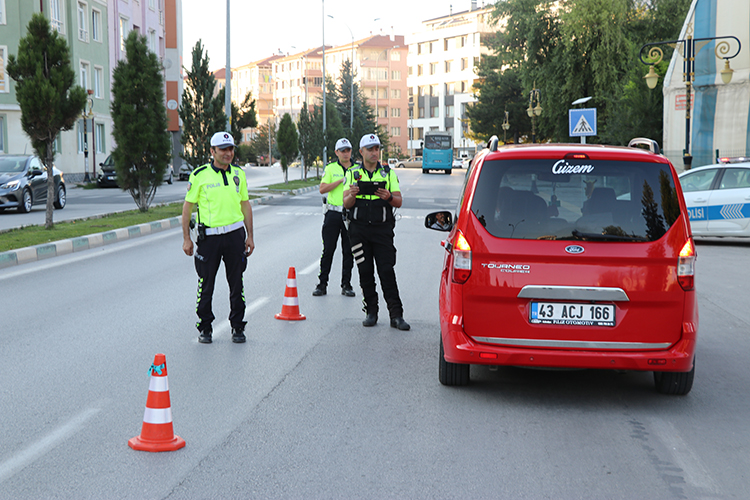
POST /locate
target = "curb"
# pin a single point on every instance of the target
(63, 247)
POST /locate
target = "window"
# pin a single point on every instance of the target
(434, 90)
(382, 112)
(420, 70)
(395, 75)
(98, 81)
(449, 111)
(96, 25)
(83, 29)
(152, 41)
(395, 112)
(2, 133)
(464, 63)
(124, 29)
(445, 44)
(100, 138)
(56, 16)
(434, 112)
(433, 68)
(421, 112)
(450, 88)
(4, 83)
(152, 4)
(395, 55)
(463, 40)
(396, 94)
(448, 66)
(2, 12)
(395, 131)
(84, 81)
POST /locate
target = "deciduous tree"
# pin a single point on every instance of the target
(288, 143)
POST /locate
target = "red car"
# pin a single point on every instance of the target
(569, 256)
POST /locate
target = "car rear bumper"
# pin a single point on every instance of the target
(462, 349)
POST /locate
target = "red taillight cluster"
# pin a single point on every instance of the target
(686, 266)
(461, 258)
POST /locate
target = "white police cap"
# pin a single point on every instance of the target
(343, 143)
(368, 141)
(222, 140)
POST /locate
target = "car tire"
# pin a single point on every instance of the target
(60, 199)
(26, 202)
(448, 171)
(674, 383)
(400, 165)
(452, 374)
(169, 179)
(424, 170)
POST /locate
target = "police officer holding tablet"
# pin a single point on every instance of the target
(371, 230)
(225, 232)
(332, 184)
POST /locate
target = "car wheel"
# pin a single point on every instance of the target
(424, 170)
(400, 165)
(674, 383)
(169, 179)
(59, 202)
(452, 373)
(448, 171)
(26, 202)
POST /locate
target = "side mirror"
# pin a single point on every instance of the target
(439, 221)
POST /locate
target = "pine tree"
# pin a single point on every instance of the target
(288, 143)
(45, 90)
(139, 122)
(202, 115)
(310, 139)
(241, 118)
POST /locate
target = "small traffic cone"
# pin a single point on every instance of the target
(290, 306)
(157, 433)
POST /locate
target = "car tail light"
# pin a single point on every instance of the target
(686, 266)
(461, 259)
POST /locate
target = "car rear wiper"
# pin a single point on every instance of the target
(606, 237)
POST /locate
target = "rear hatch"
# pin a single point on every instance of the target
(575, 253)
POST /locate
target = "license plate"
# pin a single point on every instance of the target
(558, 313)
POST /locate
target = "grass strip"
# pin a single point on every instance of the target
(296, 184)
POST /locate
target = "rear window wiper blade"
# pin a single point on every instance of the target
(606, 237)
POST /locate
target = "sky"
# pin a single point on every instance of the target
(260, 29)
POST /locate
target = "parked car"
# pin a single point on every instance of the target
(413, 162)
(393, 162)
(23, 183)
(107, 175)
(457, 163)
(717, 198)
(185, 171)
(569, 256)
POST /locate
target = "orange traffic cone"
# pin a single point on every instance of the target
(290, 306)
(157, 433)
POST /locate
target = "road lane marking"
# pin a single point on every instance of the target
(692, 468)
(21, 460)
(309, 269)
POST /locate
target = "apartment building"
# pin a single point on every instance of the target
(95, 31)
(257, 79)
(380, 64)
(441, 59)
(297, 79)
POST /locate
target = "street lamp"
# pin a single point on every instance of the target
(690, 47)
(533, 111)
(351, 69)
(505, 126)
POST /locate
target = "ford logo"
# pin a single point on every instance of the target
(575, 249)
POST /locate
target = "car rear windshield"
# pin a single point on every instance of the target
(576, 200)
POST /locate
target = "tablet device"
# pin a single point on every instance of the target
(369, 187)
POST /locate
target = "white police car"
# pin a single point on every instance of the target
(718, 198)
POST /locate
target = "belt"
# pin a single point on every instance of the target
(335, 208)
(211, 231)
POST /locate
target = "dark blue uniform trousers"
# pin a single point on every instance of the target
(230, 248)
(372, 244)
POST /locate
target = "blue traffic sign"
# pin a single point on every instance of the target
(582, 122)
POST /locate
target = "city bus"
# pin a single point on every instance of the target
(437, 153)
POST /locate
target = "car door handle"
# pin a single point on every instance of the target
(699, 200)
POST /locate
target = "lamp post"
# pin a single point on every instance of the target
(690, 47)
(351, 69)
(505, 126)
(534, 111)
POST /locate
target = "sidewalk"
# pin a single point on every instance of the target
(64, 247)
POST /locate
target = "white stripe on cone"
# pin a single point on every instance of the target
(291, 283)
(158, 384)
(157, 415)
(290, 301)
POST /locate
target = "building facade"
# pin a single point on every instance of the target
(441, 60)
(255, 78)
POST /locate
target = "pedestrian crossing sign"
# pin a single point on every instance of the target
(582, 122)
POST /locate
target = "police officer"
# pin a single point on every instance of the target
(371, 231)
(225, 232)
(333, 223)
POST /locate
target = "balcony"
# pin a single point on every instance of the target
(83, 35)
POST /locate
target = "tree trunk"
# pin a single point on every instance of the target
(49, 161)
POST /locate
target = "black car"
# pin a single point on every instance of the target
(23, 183)
(107, 175)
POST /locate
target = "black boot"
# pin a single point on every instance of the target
(319, 290)
(347, 290)
(205, 336)
(370, 320)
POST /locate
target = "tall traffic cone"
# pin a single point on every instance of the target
(290, 306)
(157, 433)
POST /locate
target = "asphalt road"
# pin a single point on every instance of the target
(325, 408)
